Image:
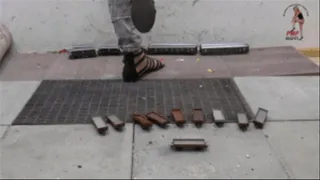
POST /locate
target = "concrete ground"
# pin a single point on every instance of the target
(288, 146)
(315, 60)
(259, 62)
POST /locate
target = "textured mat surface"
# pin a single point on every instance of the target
(75, 101)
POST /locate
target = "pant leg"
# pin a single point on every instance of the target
(128, 38)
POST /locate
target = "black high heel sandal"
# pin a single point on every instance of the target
(130, 73)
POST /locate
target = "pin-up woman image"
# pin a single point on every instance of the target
(298, 18)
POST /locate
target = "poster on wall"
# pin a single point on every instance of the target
(298, 14)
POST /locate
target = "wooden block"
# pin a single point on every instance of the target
(168, 48)
(224, 48)
(109, 50)
(142, 120)
(115, 122)
(260, 118)
(198, 117)
(158, 119)
(80, 53)
(189, 144)
(99, 124)
(218, 117)
(243, 121)
(178, 117)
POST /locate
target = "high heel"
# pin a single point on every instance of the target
(129, 72)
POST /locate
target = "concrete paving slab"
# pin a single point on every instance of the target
(297, 143)
(315, 60)
(14, 95)
(286, 98)
(28, 67)
(66, 152)
(3, 130)
(231, 154)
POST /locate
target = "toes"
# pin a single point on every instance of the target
(154, 64)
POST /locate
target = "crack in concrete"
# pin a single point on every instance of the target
(195, 2)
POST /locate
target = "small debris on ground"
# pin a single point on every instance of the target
(252, 169)
(210, 70)
(266, 135)
(79, 166)
(257, 70)
(62, 51)
(198, 59)
(180, 60)
(200, 86)
(53, 52)
(248, 156)
(150, 142)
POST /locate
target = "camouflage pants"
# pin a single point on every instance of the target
(128, 38)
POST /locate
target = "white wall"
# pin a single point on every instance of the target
(1, 11)
(47, 25)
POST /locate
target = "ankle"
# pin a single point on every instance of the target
(138, 52)
(133, 53)
(133, 56)
(139, 56)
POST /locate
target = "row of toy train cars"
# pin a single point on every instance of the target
(198, 118)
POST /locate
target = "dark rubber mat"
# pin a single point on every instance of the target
(75, 101)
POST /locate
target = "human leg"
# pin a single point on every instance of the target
(128, 38)
(137, 63)
(293, 22)
(301, 30)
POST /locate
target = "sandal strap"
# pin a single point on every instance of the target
(140, 61)
(151, 65)
(132, 55)
(147, 67)
(156, 64)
